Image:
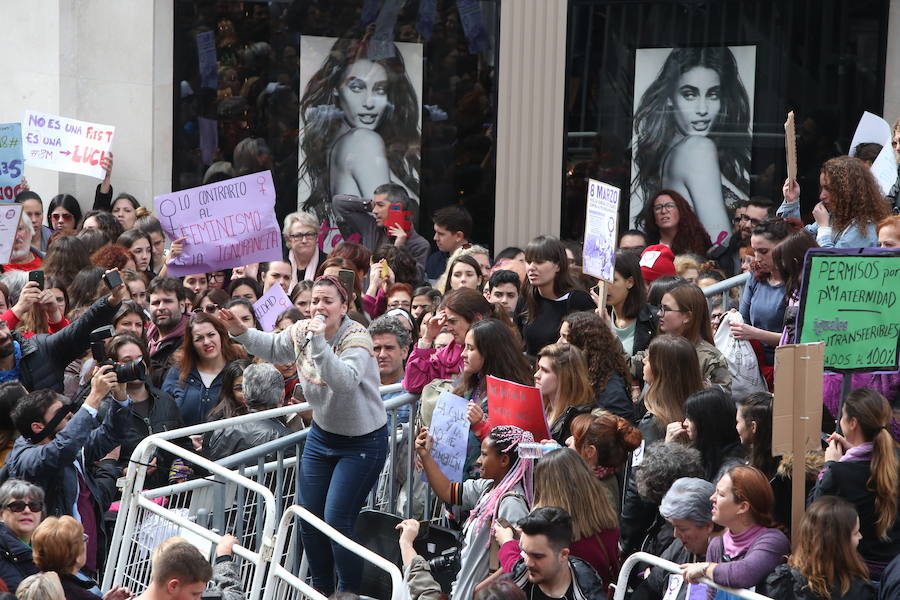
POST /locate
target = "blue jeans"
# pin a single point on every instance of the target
(337, 473)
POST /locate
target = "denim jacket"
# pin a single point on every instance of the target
(850, 237)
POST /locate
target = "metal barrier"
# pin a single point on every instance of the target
(284, 584)
(245, 495)
(643, 557)
(722, 287)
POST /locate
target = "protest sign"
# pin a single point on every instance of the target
(872, 129)
(790, 146)
(512, 403)
(600, 230)
(67, 145)
(270, 305)
(206, 56)
(450, 431)
(225, 224)
(11, 160)
(9, 222)
(849, 300)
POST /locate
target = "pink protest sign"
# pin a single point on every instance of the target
(67, 145)
(270, 305)
(512, 403)
(225, 224)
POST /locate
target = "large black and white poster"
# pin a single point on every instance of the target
(360, 123)
(692, 129)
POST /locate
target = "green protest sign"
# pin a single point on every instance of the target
(849, 300)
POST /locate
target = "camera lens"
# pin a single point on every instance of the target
(133, 371)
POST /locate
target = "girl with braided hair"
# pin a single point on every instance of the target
(503, 492)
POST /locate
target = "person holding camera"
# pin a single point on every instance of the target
(59, 445)
(39, 362)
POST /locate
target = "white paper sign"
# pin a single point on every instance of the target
(67, 145)
(600, 230)
(9, 222)
(872, 129)
(450, 430)
(673, 586)
(270, 306)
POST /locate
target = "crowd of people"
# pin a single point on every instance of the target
(655, 449)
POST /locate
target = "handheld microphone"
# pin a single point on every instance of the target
(309, 334)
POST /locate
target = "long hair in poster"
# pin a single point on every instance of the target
(693, 115)
(360, 121)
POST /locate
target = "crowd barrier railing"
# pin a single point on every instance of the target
(643, 557)
(723, 287)
(245, 494)
(286, 581)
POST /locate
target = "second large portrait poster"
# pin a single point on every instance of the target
(692, 130)
(360, 124)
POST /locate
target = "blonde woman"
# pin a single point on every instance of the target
(562, 377)
(42, 586)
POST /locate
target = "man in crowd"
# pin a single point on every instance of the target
(59, 447)
(633, 239)
(22, 258)
(263, 389)
(368, 217)
(757, 210)
(179, 572)
(40, 361)
(503, 289)
(277, 271)
(164, 336)
(452, 228)
(391, 340)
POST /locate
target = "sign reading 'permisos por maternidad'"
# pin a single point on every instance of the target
(849, 300)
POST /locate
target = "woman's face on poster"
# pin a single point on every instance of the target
(363, 94)
(697, 101)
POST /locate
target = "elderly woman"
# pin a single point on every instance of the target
(686, 506)
(41, 586)
(21, 511)
(263, 389)
(301, 233)
(59, 546)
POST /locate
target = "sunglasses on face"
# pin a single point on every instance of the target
(18, 506)
(209, 308)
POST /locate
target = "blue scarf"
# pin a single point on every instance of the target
(13, 373)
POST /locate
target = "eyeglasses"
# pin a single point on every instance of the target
(739, 218)
(664, 309)
(17, 506)
(309, 235)
(62, 217)
(217, 276)
(209, 308)
(84, 537)
(664, 207)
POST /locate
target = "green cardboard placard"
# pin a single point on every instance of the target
(850, 299)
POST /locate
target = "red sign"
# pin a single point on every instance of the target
(512, 403)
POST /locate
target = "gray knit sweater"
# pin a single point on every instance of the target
(342, 387)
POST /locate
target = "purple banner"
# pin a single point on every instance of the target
(270, 306)
(225, 224)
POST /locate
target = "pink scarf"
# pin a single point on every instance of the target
(735, 545)
(311, 267)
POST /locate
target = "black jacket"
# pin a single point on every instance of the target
(654, 586)
(559, 430)
(645, 328)
(77, 589)
(849, 480)
(638, 516)
(786, 583)
(46, 355)
(224, 442)
(587, 583)
(615, 398)
(15, 559)
(890, 581)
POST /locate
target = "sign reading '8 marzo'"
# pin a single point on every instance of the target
(849, 300)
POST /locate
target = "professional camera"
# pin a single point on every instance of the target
(133, 371)
(448, 560)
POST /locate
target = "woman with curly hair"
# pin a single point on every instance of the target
(692, 136)
(825, 564)
(66, 256)
(401, 263)
(606, 364)
(668, 219)
(354, 106)
(113, 256)
(850, 205)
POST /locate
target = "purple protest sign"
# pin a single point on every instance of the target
(225, 224)
(270, 305)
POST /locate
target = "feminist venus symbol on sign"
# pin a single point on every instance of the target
(225, 224)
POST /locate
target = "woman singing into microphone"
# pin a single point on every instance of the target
(347, 444)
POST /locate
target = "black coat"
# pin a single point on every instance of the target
(849, 480)
(638, 520)
(224, 442)
(587, 584)
(15, 559)
(615, 398)
(46, 355)
(786, 583)
(645, 328)
(77, 589)
(890, 581)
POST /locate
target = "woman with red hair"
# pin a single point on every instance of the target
(751, 546)
(668, 219)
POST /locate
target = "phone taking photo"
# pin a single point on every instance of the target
(37, 276)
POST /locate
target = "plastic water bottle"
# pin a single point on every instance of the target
(537, 449)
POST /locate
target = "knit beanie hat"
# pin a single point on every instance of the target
(657, 261)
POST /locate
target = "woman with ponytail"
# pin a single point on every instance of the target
(862, 467)
(503, 492)
(459, 310)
